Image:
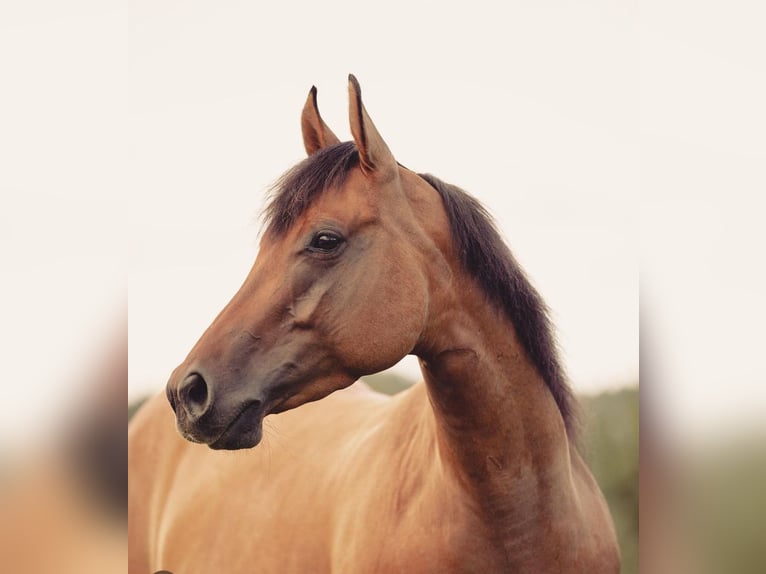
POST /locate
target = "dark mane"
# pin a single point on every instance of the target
(486, 257)
(483, 252)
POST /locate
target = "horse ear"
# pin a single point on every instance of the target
(316, 134)
(374, 155)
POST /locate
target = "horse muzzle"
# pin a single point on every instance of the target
(203, 419)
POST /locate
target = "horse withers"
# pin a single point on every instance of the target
(473, 470)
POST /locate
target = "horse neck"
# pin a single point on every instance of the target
(498, 427)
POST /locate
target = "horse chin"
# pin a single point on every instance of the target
(244, 431)
(238, 442)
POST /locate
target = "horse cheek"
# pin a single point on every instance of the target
(387, 324)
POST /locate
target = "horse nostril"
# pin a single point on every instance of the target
(198, 391)
(193, 395)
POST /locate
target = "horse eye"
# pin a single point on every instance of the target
(326, 242)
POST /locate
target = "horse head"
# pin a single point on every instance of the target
(342, 286)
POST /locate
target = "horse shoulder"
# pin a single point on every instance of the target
(154, 447)
(252, 503)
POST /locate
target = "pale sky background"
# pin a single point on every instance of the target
(137, 141)
(542, 132)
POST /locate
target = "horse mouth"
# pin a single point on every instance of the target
(244, 431)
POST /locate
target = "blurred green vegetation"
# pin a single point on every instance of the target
(723, 504)
(133, 407)
(610, 447)
(609, 444)
(388, 382)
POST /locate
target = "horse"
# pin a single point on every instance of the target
(474, 469)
